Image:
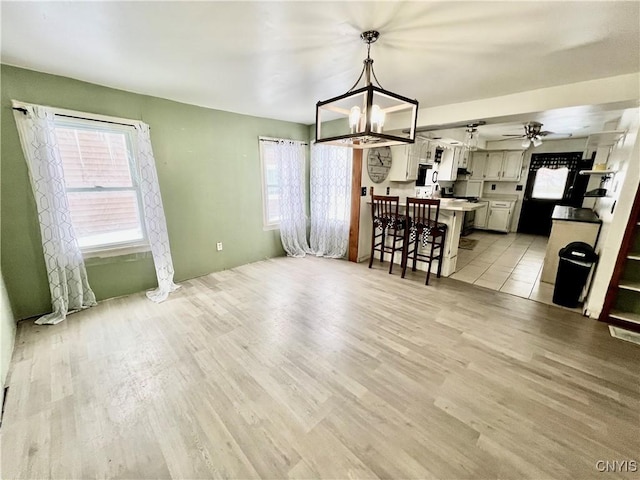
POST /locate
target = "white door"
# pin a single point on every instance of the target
(498, 219)
(493, 168)
(512, 166)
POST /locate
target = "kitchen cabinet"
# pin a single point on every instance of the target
(493, 165)
(404, 167)
(465, 159)
(499, 217)
(512, 166)
(448, 167)
(502, 165)
(476, 167)
(481, 216)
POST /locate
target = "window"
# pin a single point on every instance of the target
(101, 184)
(550, 183)
(270, 184)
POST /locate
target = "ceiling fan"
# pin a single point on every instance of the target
(533, 134)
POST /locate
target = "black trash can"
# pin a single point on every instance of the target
(576, 260)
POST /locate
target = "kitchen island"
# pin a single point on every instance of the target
(452, 214)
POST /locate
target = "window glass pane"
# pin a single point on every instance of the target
(93, 158)
(550, 183)
(103, 218)
(271, 183)
(273, 204)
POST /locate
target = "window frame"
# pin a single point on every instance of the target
(564, 189)
(89, 122)
(266, 224)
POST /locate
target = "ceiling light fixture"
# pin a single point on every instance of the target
(532, 135)
(471, 137)
(367, 117)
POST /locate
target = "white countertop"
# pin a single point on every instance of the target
(452, 205)
(458, 205)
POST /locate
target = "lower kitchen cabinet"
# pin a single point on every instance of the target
(499, 218)
(480, 221)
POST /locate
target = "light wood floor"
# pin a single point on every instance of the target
(312, 368)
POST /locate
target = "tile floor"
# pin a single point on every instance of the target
(509, 263)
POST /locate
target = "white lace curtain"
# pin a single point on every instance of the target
(67, 275)
(154, 216)
(293, 221)
(330, 199)
(66, 271)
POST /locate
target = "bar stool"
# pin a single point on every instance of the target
(423, 230)
(386, 222)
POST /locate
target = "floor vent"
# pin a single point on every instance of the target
(623, 334)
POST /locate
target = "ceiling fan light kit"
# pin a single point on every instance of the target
(358, 118)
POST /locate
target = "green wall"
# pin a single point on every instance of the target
(7, 332)
(209, 170)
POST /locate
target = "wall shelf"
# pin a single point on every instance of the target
(596, 172)
(606, 138)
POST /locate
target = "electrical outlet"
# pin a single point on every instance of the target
(493, 186)
(363, 192)
(219, 246)
(388, 190)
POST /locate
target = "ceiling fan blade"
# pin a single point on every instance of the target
(513, 135)
(506, 139)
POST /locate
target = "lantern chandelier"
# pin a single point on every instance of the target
(367, 117)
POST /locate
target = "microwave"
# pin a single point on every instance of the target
(425, 175)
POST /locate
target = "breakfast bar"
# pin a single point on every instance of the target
(451, 214)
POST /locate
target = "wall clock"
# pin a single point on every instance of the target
(378, 163)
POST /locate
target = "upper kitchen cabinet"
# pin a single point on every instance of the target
(512, 165)
(476, 167)
(448, 168)
(406, 158)
(464, 159)
(493, 165)
(503, 165)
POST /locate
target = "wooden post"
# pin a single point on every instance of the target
(354, 226)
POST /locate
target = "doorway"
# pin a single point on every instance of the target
(553, 179)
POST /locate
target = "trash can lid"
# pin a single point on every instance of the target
(579, 251)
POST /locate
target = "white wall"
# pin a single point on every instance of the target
(7, 333)
(625, 158)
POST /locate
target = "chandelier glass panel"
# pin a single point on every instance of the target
(369, 116)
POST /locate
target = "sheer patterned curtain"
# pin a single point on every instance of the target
(154, 216)
(330, 200)
(293, 222)
(66, 271)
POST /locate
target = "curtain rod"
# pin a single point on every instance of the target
(275, 140)
(25, 111)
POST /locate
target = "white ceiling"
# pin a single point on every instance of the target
(277, 59)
